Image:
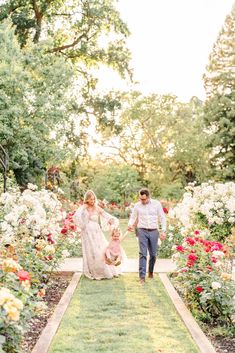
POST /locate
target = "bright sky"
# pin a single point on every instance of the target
(170, 43)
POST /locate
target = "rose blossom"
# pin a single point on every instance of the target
(215, 285)
(199, 289)
(180, 248)
(23, 275)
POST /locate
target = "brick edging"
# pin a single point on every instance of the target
(45, 339)
(197, 334)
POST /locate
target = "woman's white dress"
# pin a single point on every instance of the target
(94, 243)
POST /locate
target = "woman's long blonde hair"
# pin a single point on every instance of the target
(88, 195)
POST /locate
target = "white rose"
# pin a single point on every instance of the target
(32, 187)
(215, 285)
(231, 220)
(49, 249)
(218, 254)
(65, 253)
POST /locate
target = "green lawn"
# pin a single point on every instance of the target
(130, 243)
(122, 316)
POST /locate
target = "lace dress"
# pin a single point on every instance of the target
(94, 243)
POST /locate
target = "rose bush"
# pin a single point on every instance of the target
(36, 235)
(205, 280)
(174, 237)
(210, 206)
(16, 301)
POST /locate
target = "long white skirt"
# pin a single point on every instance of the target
(93, 248)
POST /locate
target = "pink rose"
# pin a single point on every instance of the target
(23, 275)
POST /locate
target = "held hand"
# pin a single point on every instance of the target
(162, 235)
(130, 228)
(111, 221)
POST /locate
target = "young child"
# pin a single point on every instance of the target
(113, 252)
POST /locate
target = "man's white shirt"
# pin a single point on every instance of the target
(148, 215)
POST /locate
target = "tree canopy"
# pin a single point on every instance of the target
(220, 105)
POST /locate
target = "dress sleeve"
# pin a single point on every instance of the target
(105, 217)
(80, 217)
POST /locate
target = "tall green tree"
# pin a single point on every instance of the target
(83, 35)
(219, 82)
(89, 32)
(33, 103)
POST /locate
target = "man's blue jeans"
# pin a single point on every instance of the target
(148, 241)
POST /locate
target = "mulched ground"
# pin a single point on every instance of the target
(57, 286)
(221, 344)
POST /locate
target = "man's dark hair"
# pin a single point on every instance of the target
(144, 191)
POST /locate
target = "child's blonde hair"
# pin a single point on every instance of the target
(114, 230)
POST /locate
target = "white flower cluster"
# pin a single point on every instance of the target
(29, 214)
(216, 201)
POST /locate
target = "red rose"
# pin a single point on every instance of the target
(23, 275)
(207, 249)
(180, 248)
(214, 259)
(165, 210)
(64, 230)
(196, 232)
(192, 257)
(199, 289)
(190, 241)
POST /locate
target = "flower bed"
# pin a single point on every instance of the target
(36, 235)
(205, 281)
(210, 206)
(205, 219)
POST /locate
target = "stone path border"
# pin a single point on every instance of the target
(49, 331)
(198, 335)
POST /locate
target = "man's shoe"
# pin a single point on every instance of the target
(142, 280)
(150, 275)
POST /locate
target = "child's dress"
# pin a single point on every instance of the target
(113, 253)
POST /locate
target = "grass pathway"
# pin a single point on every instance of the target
(122, 316)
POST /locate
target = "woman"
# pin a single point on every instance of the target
(93, 239)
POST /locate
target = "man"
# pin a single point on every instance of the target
(145, 215)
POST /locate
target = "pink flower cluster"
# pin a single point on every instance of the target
(198, 252)
(69, 224)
